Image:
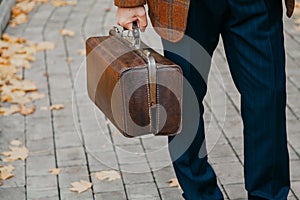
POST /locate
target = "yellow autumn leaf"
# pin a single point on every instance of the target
(12, 39)
(3, 44)
(15, 143)
(66, 32)
(9, 110)
(69, 60)
(25, 6)
(6, 172)
(25, 85)
(80, 186)
(4, 61)
(43, 46)
(36, 96)
(60, 3)
(24, 110)
(15, 153)
(20, 19)
(107, 175)
(19, 62)
(81, 52)
(54, 171)
(41, 1)
(174, 183)
(57, 107)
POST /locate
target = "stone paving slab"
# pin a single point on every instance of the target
(80, 141)
(5, 6)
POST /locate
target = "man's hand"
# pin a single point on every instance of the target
(125, 17)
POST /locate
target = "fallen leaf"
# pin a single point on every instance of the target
(6, 172)
(41, 1)
(20, 19)
(12, 39)
(43, 46)
(15, 143)
(81, 186)
(60, 3)
(26, 110)
(54, 171)
(36, 96)
(174, 183)
(1, 183)
(4, 44)
(107, 175)
(66, 32)
(69, 60)
(81, 52)
(57, 107)
(4, 61)
(20, 62)
(25, 6)
(15, 153)
(9, 110)
(24, 85)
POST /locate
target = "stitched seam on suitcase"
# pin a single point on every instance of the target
(123, 106)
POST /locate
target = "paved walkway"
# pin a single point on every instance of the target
(55, 138)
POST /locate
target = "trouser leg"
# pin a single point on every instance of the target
(194, 173)
(253, 41)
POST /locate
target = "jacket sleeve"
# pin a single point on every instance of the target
(129, 3)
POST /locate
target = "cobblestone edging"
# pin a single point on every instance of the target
(5, 6)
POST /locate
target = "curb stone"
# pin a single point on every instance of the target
(5, 7)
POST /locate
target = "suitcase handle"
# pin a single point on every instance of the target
(145, 54)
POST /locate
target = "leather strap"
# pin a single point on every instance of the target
(152, 78)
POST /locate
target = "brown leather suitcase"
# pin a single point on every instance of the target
(138, 90)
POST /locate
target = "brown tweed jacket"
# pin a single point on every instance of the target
(169, 19)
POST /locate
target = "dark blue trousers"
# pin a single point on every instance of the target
(252, 33)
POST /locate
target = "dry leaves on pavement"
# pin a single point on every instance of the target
(16, 93)
(81, 52)
(174, 183)
(41, 1)
(6, 172)
(36, 96)
(66, 32)
(15, 153)
(24, 110)
(44, 46)
(107, 175)
(57, 107)
(15, 143)
(54, 171)
(60, 3)
(9, 110)
(20, 12)
(69, 60)
(80, 186)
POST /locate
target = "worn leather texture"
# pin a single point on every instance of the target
(118, 83)
(169, 18)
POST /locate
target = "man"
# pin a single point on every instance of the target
(252, 33)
